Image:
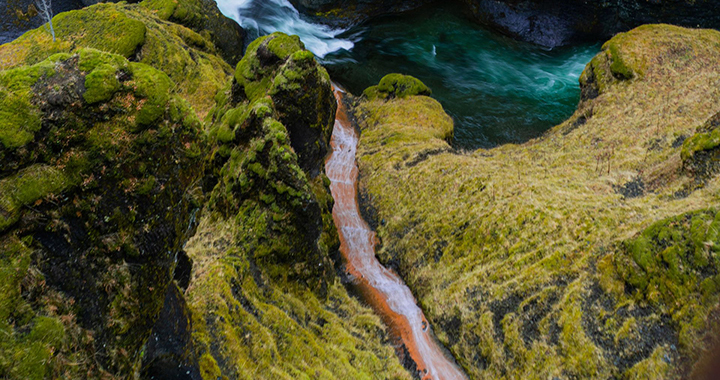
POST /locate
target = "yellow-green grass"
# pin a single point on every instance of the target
(264, 328)
(522, 255)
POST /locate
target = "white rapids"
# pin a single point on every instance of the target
(261, 17)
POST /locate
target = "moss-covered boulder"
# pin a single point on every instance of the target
(535, 261)
(397, 86)
(204, 17)
(93, 210)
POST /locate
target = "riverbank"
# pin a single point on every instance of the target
(588, 252)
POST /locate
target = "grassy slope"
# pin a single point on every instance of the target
(516, 253)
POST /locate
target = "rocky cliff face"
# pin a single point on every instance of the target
(119, 141)
(590, 252)
(556, 23)
(351, 12)
(543, 22)
(97, 153)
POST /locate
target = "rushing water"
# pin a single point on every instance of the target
(382, 288)
(261, 17)
(497, 90)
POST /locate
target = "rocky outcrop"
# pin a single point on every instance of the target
(97, 153)
(590, 252)
(557, 23)
(345, 13)
(107, 171)
(265, 300)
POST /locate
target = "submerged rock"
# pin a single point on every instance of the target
(526, 259)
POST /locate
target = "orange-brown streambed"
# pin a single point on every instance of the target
(381, 288)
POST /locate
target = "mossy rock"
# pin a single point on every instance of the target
(397, 86)
(279, 66)
(94, 209)
(700, 153)
(269, 292)
(204, 17)
(187, 57)
(101, 84)
(671, 259)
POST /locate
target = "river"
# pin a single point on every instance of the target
(386, 293)
(496, 89)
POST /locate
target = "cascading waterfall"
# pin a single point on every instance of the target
(261, 17)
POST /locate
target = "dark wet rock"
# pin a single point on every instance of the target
(168, 353)
(351, 12)
(18, 16)
(557, 23)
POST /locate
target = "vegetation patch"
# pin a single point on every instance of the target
(555, 233)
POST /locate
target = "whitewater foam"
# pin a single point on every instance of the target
(262, 17)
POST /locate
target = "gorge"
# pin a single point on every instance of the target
(185, 198)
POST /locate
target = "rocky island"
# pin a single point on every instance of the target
(165, 211)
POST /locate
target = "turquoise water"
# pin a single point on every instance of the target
(496, 89)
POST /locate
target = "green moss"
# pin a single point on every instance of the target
(19, 120)
(257, 78)
(618, 66)
(397, 86)
(669, 257)
(101, 84)
(102, 26)
(92, 58)
(27, 342)
(26, 187)
(154, 86)
(283, 46)
(47, 330)
(163, 8)
(698, 143)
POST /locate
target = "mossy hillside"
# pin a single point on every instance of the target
(93, 208)
(134, 32)
(265, 300)
(516, 254)
(250, 325)
(620, 60)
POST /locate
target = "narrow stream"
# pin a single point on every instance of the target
(381, 288)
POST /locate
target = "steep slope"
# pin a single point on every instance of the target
(265, 300)
(108, 169)
(590, 252)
